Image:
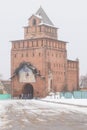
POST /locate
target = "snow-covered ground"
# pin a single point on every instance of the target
(35, 114)
(57, 99)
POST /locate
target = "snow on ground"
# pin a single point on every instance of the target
(57, 99)
(38, 110)
(67, 104)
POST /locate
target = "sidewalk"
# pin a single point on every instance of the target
(74, 102)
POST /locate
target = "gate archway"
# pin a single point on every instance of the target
(28, 91)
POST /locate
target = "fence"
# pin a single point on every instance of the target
(74, 94)
(5, 96)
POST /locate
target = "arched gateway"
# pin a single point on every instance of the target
(28, 91)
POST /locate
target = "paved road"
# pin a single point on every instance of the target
(37, 115)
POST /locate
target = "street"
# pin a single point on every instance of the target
(38, 115)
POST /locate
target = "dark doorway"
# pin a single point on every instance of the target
(28, 91)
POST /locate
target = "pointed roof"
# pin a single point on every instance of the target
(45, 19)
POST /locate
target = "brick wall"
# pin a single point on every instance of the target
(41, 48)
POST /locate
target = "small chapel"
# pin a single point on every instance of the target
(39, 63)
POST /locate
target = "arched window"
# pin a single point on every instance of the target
(34, 22)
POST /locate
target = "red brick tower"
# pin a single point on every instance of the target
(39, 61)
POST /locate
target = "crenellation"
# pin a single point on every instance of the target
(48, 55)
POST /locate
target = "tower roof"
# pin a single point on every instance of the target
(45, 19)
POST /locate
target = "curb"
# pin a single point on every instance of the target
(63, 103)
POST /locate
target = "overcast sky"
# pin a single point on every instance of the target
(70, 16)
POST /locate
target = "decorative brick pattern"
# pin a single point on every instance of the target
(42, 48)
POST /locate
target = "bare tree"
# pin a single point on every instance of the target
(83, 81)
(0, 76)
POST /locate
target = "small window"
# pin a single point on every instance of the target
(33, 54)
(37, 43)
(32, 44)
(39, 54)
(34, 22)
(15, 55)
(22, 55)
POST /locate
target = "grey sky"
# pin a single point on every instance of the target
(68, 15)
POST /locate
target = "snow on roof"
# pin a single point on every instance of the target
(47, 25)
(38, 16)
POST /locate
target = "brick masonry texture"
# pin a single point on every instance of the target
(43, 50)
